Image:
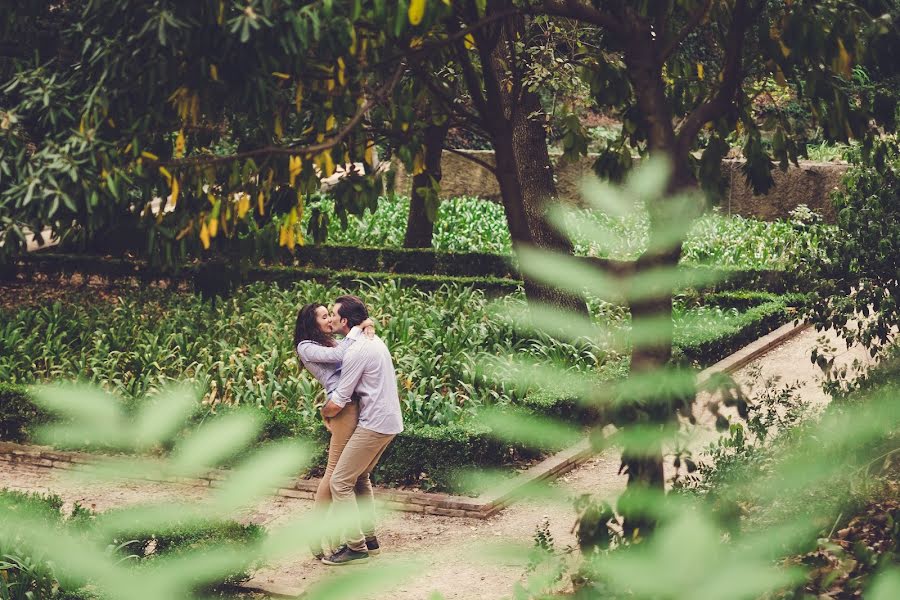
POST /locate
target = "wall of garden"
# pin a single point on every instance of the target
(810, 183)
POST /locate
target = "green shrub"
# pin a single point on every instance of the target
(18, 414)
(433, 457)
(177, 538)
(26, 574)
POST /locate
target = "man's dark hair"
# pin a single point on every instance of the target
(352, 309)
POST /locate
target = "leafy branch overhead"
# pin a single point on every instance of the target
(220, 107)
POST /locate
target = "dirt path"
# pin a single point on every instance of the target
(444, 546)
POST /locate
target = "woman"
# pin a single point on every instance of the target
(321, 354)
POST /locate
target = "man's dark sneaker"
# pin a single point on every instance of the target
(372, 545)
(346, 556)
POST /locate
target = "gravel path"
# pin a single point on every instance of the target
(443, 546)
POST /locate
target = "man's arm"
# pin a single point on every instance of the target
(316, 353)
(351, 373)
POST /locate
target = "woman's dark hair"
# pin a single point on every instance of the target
(306, 328)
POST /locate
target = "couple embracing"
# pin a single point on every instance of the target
(362, 412)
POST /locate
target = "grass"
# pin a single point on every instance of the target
(473, 225)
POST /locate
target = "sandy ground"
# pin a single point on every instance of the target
(440, 552)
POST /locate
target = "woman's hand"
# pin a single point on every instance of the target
(368, 327)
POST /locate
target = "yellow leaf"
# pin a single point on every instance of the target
(320, 137)
(785, 51)
(419, 163)
(352, 48)
(281, 75)
(243, 204)
(341, 74)
(279, 129)
(179, 144)
(175, 189)
(295, 166)
(149, 156)
(165, 173)
(204, 236)
(844, 61)
(282, 236)
(329, 123)
(404, 126)
(259, 204)
(700, 71)
(328, 163)
(369, 156)
(214, 72)
(127, 148)
(416, 42)
(329, 84)
(213, 227)
(416, 11)
(469, 41)
(221, 17)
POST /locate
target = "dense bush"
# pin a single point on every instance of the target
(859, 277)
(26, 573)
(18, 415)
(433, 457)
(149, 543)
(472, 225)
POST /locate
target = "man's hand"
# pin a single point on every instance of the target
(328, 426)
(368, 327)
(330, 410)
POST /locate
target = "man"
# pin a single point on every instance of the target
(367, 372)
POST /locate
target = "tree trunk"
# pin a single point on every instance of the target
(524, 170)
(654, 313)
(419, 227)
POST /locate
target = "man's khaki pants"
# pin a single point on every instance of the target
(350, 483)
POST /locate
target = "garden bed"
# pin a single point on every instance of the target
(238, 352)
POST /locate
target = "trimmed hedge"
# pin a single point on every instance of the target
(429, 456)
(422, 268)
(144, 542)
(763, 312)
(19, 416)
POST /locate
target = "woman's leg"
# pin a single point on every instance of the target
(342, 427)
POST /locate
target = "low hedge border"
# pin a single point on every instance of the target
(763, 312)
(145, 543)
(424, 456)
(423, 268)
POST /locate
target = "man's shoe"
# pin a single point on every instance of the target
(316, 551)
(372, 545)
(346, 556)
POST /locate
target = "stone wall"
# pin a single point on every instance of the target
(811, 183)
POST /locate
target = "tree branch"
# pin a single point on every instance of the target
(481, 163)
(692, 24)
(732, 76)
(573, 9)
(198, 161)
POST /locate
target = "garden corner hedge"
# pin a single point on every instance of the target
(763, 312)
(19, 416)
